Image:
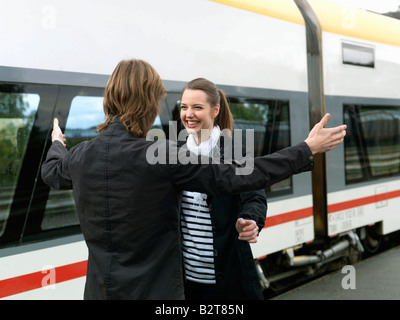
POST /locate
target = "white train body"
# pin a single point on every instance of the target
(57, 50)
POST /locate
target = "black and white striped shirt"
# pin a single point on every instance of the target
(196, 227)
(198, 247)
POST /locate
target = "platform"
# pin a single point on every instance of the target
(375, 278)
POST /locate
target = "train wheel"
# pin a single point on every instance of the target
(372, 240)
(354, 256)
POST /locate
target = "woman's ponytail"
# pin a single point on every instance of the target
(224, 119)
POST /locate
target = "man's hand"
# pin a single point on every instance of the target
(247, 229)
(321, 139)
(57, 133)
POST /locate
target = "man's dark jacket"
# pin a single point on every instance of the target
(128, 205)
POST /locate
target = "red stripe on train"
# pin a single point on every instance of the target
(72, 271)
(308, 212)
(363, 201)
(34, 280)
(288, 216)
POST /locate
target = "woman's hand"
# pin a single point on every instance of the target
(57, 133)
(321, 139)
(247, 229)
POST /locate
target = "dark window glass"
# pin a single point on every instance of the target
(270, 121)
(372, 145)
(17, 114)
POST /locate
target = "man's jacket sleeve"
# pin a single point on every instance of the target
(54, 168)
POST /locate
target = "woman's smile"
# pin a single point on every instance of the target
(192, 123)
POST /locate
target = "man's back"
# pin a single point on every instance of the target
(128, 211)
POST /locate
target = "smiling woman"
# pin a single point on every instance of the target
(203, 106)
(196, 113)
(212, 224)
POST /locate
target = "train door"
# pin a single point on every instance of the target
(79, 111)
(277, 121)
(359, 74)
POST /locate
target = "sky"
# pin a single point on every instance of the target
(380, 6)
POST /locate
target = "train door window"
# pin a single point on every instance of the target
(271, 124)
(17, 114)
(85, 114)
(372, 146)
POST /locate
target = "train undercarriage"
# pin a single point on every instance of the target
(289, 268)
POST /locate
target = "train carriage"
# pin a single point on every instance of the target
(282, 65)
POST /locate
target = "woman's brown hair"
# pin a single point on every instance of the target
(214, 96)
(133, 94)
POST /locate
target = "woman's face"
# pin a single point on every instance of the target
(197, 114)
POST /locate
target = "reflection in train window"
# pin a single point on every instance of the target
(270, 121)
(84, 116)
(357, 55)
(17, 113)
(372, 145)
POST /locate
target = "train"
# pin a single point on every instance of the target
(282, 65)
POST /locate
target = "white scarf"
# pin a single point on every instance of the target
(205, 148)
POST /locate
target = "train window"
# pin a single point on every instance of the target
(357, 55)
(17, 114)
(85, 114)
(270, 121)
(372, 146)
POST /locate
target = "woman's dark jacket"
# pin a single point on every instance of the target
(127, 196)
(235, 272)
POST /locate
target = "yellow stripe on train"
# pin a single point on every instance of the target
(333, 17)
